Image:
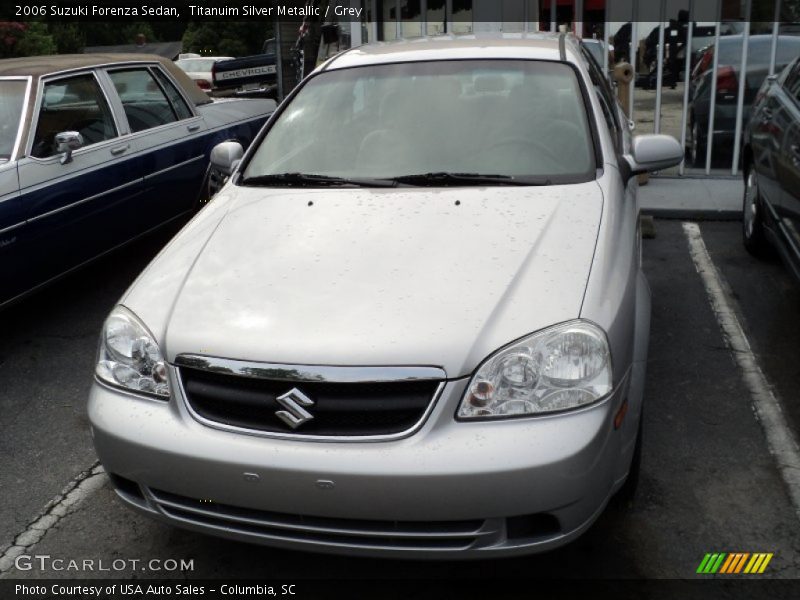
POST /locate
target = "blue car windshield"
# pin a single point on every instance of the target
(513, 120)
(12, 97)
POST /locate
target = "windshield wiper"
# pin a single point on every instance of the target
(444, 178)
(313, 180)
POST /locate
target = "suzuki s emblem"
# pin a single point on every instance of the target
(294, 402)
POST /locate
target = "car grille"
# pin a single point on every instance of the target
(401, 535)
(339, 409)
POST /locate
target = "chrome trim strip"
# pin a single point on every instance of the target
(21, 295)
(12, 227)
(320, 529)
(181, 164)
(458, 545)
(309, 373)
(23, 115)
(314, 438)
(79, 202)
(786, 228)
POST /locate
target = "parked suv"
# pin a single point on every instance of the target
(414, 322)
(771, 210)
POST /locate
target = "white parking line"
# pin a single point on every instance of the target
(75, 492)
(780, 439)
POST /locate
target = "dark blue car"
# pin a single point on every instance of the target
(96, 150)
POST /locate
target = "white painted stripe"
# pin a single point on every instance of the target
(76, 491)
(780, 438)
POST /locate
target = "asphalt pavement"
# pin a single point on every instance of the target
(709, 482)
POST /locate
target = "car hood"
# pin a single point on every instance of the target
(416, 276)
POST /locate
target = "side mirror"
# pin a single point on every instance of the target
(652, 153)
(226, 156)
(66, 142)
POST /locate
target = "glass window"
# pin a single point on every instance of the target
(12, 97)
(196, 65)
(388, 17)
(175, 98)
(72, 104)
(144, 102)
(497, 117)
(411, 18)
(792, 83)
(462, 16)
(533, 16)
(513, 16)
(604, 93)
(759, 50)
(436, 17)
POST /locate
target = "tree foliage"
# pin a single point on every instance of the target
(226, 38)
(25, 39)
(204, 37)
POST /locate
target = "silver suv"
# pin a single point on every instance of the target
(413, 323)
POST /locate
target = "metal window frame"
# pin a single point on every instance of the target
(15, 149)
(687, 73)
(37, 107)
(737, 139)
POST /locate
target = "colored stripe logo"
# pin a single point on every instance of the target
(734, 563)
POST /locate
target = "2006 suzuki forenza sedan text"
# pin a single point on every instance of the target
(413, 323)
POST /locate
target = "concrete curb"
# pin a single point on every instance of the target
(699, 214)
(707, 199)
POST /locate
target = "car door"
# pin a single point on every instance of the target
(169, 136)
(789, 161)
(14, 95)
(766, 131)
(76, 206)
(12, 232)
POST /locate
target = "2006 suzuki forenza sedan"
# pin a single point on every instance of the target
(413, 323)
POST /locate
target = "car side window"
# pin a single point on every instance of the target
(606, 97)
(145, 104)
(792, 83)
(72, 104)
(178, 103)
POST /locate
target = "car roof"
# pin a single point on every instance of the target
(530, 46)
(41, 66)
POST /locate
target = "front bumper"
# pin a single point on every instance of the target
(452, 489)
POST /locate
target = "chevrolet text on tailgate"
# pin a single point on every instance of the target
(249, 74)
(402, 328)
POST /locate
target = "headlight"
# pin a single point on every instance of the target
(129, 356)
(557, 369)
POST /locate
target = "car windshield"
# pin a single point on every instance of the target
(197, 65)
(465, 122)
(12, 97)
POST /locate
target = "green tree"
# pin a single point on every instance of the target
(68, 37)
(226, 39)
(104, 34)
(25, 39)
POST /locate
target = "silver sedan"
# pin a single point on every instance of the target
(413, 323)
